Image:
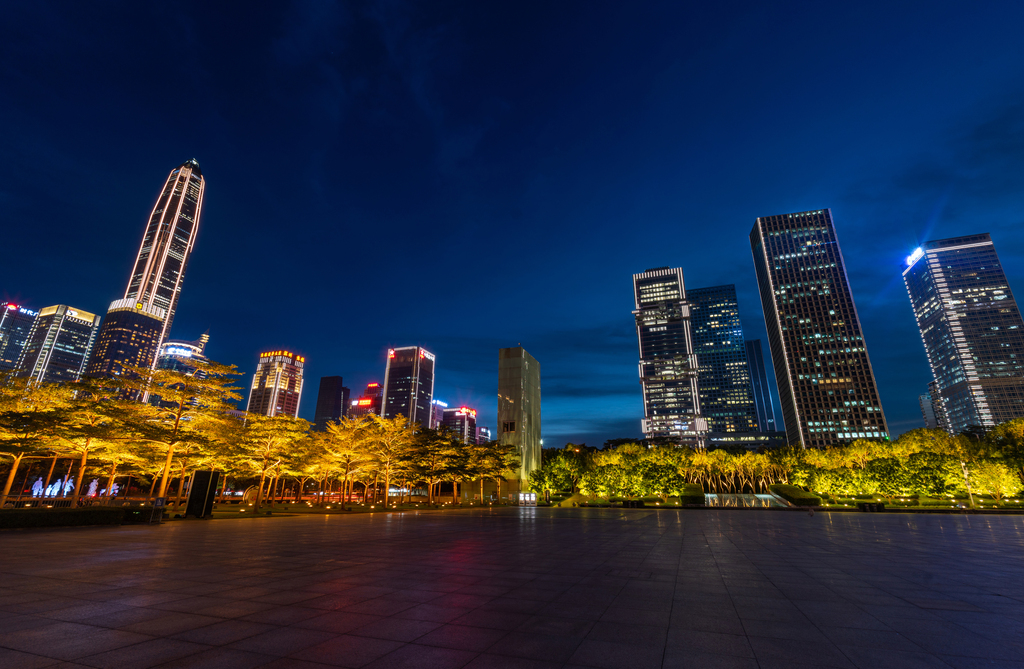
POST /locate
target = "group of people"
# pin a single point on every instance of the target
(63, 488)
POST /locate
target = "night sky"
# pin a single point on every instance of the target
(468, 176)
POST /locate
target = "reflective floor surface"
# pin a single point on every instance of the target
(521, 588)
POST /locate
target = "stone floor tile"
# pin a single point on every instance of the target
(462, 637)
(685, 658)
(412, 656)
(223, 632)
(348, 651)
(142, 655)
(609, 655)
(396, 629)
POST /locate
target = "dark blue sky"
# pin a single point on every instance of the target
(467, 176)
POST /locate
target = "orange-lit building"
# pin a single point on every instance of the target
(277, 384)
(368, 402)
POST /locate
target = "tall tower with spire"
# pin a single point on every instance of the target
(167, 243)
(139, 323)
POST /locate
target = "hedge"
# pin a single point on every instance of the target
(92, 515)
(794, 495)
(693, 494)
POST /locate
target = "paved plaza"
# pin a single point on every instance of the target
(521, 589)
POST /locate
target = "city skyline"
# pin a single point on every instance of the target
(586, 157)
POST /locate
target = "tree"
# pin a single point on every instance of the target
(187, 407)
(344, 442)
(266, 441)
(432, 454)
(389, 442)
(28, 415)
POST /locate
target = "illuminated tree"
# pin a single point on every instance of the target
(346, 443)
(188, 407)
(265, 443)
(28, 415)
(389, 442)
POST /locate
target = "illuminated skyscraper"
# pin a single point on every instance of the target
(483, 434)
(972, 331)
(367, 403)
(409, 384)
(155, 283)
(331, 401)
(759, 382)
(15, 325)
(726, 394)
(461, 421)
(826, 387)
(59, 345)
(437, 408)
(277, 384)
(129, 337)
(519, 406)
(668, 365)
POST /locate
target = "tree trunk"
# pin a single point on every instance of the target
(375, 475)
(167, 472)
(81, 473)
(49, 474)
(110, 479)
(273, 491)
(387, 485)
(481, 490)
(259, 492)
(10, 478)
(344, 487)
(967, 480)
(152, 487)
(181, 487)
(223, 488)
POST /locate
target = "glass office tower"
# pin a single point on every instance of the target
(409, 384)
(461, 421)
(726, 394)
(759, 382)
(59, 345)
(15, 325)
(167, 244)
(668, 365)
(519, 406)
(129, 337)
(331, 401)
(972, 331)
(826, 387)
(277, 384)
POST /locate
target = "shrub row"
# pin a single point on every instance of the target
(692, 494)
(794, 495)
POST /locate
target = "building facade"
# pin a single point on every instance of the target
(277, 384)
(159, 269)
(726, 391)
(971, 328)
(826, 387)
(129, 337)
(331, 401)
(519, 406)
(59, 345)
(668, 367)
(409, 384)
(15, 325)
(461, 421)
(437, 408)
(762, 389)
(181, 356)
(368, 403)
(928, 411)
(483, 435)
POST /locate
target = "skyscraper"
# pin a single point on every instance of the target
(166, 245)
(461, 421)
(437, 408)
(519, 406)
(483, 434)
(15, 325)
(971, 328)
(409, 384)
(367, 403)
(759, 382)
(726, 394)
(826, 386)
(59, 345)
(668, 365)
(277, 384)
(331, 401)
(928, 411)
(129, 337)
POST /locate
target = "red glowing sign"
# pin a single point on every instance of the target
(12, 306)
(364, 403)
(391, 353)
(373, 385)
(466, 411)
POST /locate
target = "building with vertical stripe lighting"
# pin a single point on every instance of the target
(972, 331)
(59, 345)
(826, 387)
(668, 364)
(277, 384)
(155, 283)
